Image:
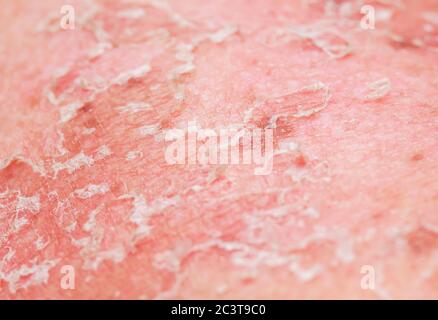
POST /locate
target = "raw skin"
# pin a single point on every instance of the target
(84, 182)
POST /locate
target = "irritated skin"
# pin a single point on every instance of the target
(84, 182)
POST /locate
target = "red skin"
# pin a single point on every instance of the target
(368, 167)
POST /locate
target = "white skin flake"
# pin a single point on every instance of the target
(184, 51)
(287, 146)
(60, 144)
(142, 211)
(222, 34)
(81, 160)
(132, 155)
(165, 7)
(148, 130)
(431, 17)
(28, 203)
(116, 255)
(167, 260)
(345, 251)
(99, 49)
(180, 70)
(313, 88)
(7, 257)
(135, 13)
(103, 152)
(73, 164)
(88, 131)
(91, 190)
(302, 112)
(311, 213)
(331, 42)
(133, 107)
(124, 77)
(40, 244)
(68, 112)
(91, 222)
(305, 274)
(19, 223)
(33, 275)
(378, 89)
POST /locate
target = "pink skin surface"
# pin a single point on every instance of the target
(84, 181)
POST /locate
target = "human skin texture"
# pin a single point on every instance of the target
(349, 211)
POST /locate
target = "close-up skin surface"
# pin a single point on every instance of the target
(92, 208)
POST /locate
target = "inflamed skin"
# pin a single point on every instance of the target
(90, 208)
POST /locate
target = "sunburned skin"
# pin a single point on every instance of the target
(90, 208)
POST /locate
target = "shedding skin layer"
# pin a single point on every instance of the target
(84, 182)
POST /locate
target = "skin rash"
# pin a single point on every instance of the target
(350, 209)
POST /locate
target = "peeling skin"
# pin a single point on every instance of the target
(69, 111)
(28, 203)
(84, 181)
(148, 130)
(134, 107)
(223, 34)
(35, 274)
(379, 89)
(91, 190)
(131, 74)
(73, 164)
(330, 41)
(132, 13)
(316, 87)
(142, 212)
(132, 155)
